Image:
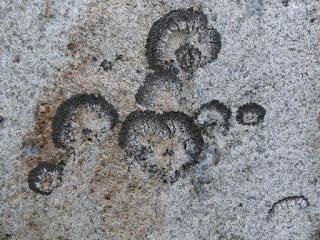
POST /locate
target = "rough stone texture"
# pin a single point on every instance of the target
(251, 181)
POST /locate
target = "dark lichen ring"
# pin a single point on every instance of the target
(212, 114)
(182, 39)
(45, 177)
(163, 127)
(250, 114)
(61, 124)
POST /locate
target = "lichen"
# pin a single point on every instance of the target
(45, 177)
(182, 39)
(66, 112)
(250, 114)
(165, 145)
(155, 84)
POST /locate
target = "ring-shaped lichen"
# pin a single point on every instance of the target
(166, 126)
(182, 39)
(61, 125)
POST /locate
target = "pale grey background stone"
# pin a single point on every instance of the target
(270, 55)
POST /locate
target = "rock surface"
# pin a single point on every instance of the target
(181, 119)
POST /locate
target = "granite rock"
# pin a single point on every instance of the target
(255, 158)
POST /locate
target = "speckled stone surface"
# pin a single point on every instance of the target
(160, 119)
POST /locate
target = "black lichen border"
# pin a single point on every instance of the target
(219, 107)
(193, 129)
(131, 119)
(34, 173)
(66, 110)
(169, 20)
(283, 200)
(252, 108)
(162, 120)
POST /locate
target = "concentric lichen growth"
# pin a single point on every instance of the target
(92, 110)
(45, 177)
(299, 202)
(135, 127)
(250, 114)
(165, 145)
(213, 115)
(158, 88)
(182, 39)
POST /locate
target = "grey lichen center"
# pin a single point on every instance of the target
(175, 40)
(250, 117)
(166, 153)
(210, 117)
(89, 125)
